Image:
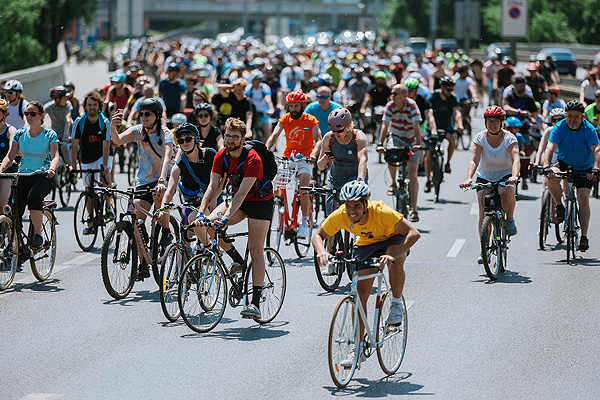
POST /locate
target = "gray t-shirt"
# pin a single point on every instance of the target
(150, 156)
(58, 116)
(14, 117)
(497, 162)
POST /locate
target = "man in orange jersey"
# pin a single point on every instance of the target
(302, 136)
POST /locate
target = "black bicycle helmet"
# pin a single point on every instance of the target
(575, 105)
(59, 91)
(206, 107)
(446, 81)
(186, 127)
(153, 105)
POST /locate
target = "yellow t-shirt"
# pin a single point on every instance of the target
(379, 226)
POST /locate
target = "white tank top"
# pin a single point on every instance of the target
(495, 163)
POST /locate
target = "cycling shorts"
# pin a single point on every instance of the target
(148, 196)
(578, 181)
(262, 210)
(363, 253)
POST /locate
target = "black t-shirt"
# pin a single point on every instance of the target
(91, 141)
(231, 107)
(537, 87)
(201, 169)
(443, 110)
(423, 105)
(380, 95)
(210, 140)
(525, 102)
(274, 85)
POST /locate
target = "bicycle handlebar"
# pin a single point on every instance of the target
(489, 185)
(18, 174)
(130, 192)
(319, 190)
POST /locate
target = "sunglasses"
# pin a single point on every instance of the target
(340, 131)
(555, 120)
(146, 114)
(203, 115)
(31, 113)
(9, 92)
(186, 139)
(322, 97)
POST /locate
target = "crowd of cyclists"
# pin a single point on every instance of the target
(191, 112)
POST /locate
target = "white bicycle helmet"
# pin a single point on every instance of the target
(13, 85)
(557, 112)
(355, 191)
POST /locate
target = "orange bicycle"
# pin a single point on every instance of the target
(285, 222)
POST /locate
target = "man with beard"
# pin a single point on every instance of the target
(302, 140)
(521, 105)
(247, 202)
(92, 132)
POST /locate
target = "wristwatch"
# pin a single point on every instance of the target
(162, 180)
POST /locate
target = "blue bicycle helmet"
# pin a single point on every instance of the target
(513, 122)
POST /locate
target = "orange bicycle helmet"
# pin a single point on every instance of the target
(295, 97)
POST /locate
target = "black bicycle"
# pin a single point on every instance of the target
(464, 137)
(203, 294)
(437, 170)
(133, 163)
(398, 156)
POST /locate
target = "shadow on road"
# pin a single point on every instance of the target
(46, 286)
(394, 385)
(245, 334)
(523, 197)
(136, 297)
(445, 201)
(505, 277)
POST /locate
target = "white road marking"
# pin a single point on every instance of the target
(82, 259)
(474, 209)
(458, 244)
(41, 396)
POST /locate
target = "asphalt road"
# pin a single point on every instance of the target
(533, 334)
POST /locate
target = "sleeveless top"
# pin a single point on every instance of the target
(4, 145)
(211, 139)
(120, 101)
(345, 166)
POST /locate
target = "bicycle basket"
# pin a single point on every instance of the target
(397, 155)
(287, 172)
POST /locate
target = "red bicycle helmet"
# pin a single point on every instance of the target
(494, 112)
(295, 97)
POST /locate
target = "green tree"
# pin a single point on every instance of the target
(412, 15)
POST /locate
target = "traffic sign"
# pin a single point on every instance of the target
(514, 18)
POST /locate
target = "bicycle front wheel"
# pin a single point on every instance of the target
(572, 229)
(465, 138)
(119, 260)
(490, 247)
(437, 176)
(170, 271)
(275, 235)
(84, 221)
(274, 286)
(391, 337)
(544, 219)
(329, 277)
(202, 293)
(9, 253)
(158, 251)
(42, 260)
(342, 342)
(64, 191)
(302, 245)
(132, 165)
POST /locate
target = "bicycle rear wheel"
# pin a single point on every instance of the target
(342, 341)
(9, 253)
(84, 218)
(132, 165)
(302, 245)
(544, 219)
(157, 255)
(572, 231)
(202, 293)
(65, 186)
(170, 271)
(392, 338)
(490, 247)
(275, 235)
(119, 260)
(330, 280)
(465, 138)
(42, 260)
(437, 176)
(274, 286)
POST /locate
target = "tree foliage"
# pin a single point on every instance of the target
(32, 29)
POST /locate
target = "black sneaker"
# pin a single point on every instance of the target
(143, 272)
(427, 187)
(447, 169)
(560, 213)
(37, 242)
(584, 244)
(166, 238)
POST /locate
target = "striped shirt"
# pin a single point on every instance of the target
(401, 120)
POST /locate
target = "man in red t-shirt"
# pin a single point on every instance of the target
(247, 202)
(302, 136)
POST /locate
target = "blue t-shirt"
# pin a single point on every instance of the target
(171, 92)
(35, 151)
(315, 110)
(574, 146)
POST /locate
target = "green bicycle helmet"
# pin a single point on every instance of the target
(411, 83)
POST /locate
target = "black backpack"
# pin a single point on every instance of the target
(265, 186)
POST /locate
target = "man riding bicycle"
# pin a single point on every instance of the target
(302, 136)
(575, 141)
(380, 231)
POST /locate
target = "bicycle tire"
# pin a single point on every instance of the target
(490, 250)
(274, 286)
(81, 217)
(330, 282)
(342, 341)
(42, 260)
(437, 176)
(158, 256)
(64, 192)
(276, 226)
(119, 277)
(170, 270)
(9, 253)
(392, 338)
(202, 276)
(302, 245)
(465, 138)
(544, 220)
(132, 166)
(572, 227)
(559, 231)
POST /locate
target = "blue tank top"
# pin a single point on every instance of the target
(4, 145)
(345, 166)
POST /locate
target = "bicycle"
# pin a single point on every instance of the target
(89, 214)
(202, 292)
(494, 240)
(175, 258)
(284, 224)
(64, 184)
(389, 341)
(398, 156)
(548, 217)
(15, 244)
(132, 163)
(437, 170)
(119, 258)
(464, 137)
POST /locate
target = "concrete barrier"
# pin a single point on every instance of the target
(37, 81)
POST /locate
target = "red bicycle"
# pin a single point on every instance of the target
(287, 215)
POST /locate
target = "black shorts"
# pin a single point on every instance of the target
(578, 181)
(148, 196)
(262, 210)
(363, 253)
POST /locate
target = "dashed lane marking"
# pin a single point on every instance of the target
(456, 247)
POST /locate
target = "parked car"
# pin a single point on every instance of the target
(418, 45)
(502, 49)
(563, 58)
(445, 45)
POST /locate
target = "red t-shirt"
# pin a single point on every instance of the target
(251, 168)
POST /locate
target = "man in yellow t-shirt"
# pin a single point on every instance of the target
(381, 232)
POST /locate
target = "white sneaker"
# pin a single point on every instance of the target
(349, 360)
(303, 231)
(251, 311)
(396, 314)
(329, 269)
